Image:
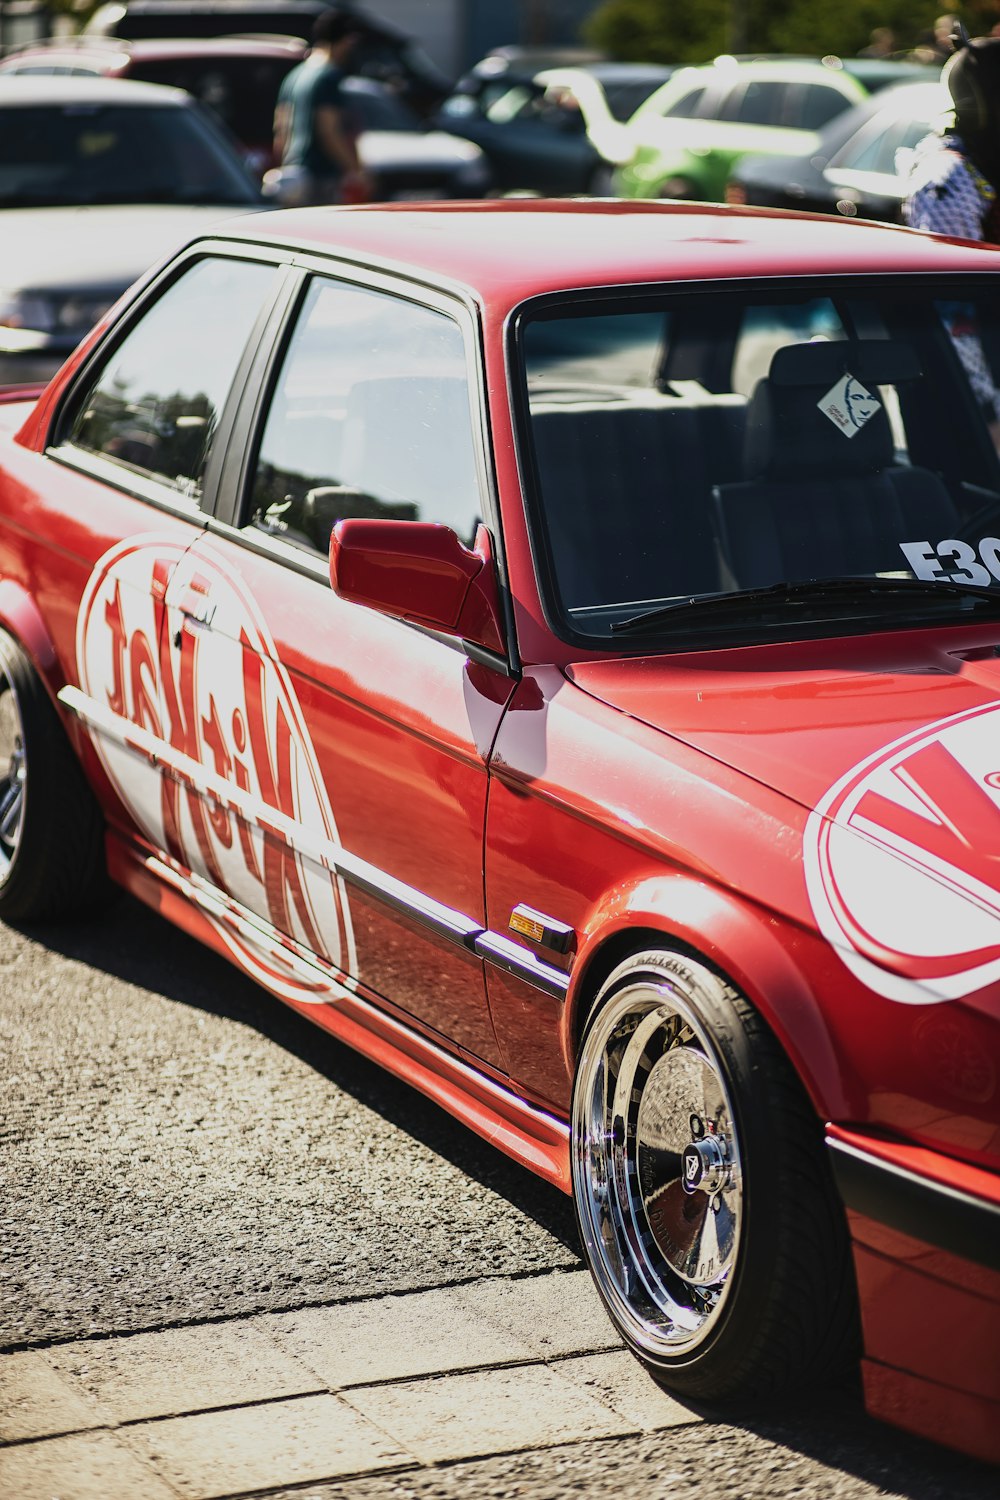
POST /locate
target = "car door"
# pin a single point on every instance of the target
(129, 472)
(344, 754)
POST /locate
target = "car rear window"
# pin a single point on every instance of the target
(241, 91)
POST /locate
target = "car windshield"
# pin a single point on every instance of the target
(743, 465)
(60, 154)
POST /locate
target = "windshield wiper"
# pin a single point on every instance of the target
(806, 594)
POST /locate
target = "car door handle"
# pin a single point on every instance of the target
(201, 611)
(195, 603)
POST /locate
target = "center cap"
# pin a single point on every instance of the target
(705, 1165)
(693, 1168)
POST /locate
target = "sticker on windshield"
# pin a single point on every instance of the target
(849, 405)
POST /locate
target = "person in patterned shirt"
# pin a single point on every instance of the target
(952, 189)
(953, 182)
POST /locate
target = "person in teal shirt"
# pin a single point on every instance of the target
(311, 138)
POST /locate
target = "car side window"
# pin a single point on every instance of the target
(875, 151)
(755, 102)
(688, 105)
(817, 105)
(370, 417)
(155, 403)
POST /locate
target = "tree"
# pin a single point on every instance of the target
(671, 31)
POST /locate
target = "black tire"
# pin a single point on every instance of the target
(51, 829)
(704, 1199)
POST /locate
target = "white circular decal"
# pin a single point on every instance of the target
(902, 860)
(171, 641)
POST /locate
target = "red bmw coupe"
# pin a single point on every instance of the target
(556, 646)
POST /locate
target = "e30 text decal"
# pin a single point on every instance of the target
(954, 561)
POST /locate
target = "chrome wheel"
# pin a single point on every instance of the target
(657, 1167)
(13, 776)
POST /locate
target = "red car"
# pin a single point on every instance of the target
(634, 791)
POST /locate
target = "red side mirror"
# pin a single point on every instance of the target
(419, 571)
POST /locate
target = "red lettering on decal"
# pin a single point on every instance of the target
(965, 831)
(142, 676)
(116, 625)
(282, 877)
(212, 730)
(179, 698)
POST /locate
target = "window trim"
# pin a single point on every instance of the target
(262, 373)
(147, 487)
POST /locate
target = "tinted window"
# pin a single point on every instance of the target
(242, 91)
(755, 103)
(370, 417)
(104, 153)
(156, 403)
(816, 104)
(875, 151)
(369, 106)
(688, 104)
(623, 99)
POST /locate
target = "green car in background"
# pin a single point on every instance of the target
(688, 135)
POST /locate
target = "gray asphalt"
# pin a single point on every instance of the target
(177, 1148)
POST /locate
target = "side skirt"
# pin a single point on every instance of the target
(536, 1139)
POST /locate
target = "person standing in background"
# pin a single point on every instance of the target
(312, 140)
(954, 178)
(953, 189)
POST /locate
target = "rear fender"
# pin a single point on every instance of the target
(737, 940)
(20, 617)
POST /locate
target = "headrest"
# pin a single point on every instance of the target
(819, 413)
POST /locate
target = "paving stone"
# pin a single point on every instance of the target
(259, 1447)
(620, 1382)
(488, 1411)
(393, 1338)
(89, 1466)
(555, 1315)
(36, 1402)
(183, 1370)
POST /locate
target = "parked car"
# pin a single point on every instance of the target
(688, 137)
(238, 78)
(555, 648)
(860, 164)
(384, 50)
(99, 178)
(559, 131)
(402, 157)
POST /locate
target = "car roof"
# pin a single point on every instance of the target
(146, 48)
(503, 251)
(18, 89)
(614, 72)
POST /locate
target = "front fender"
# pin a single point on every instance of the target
(743, 942)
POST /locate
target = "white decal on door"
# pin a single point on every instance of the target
(219, 698)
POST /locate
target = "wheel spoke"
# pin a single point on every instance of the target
(11, 799)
